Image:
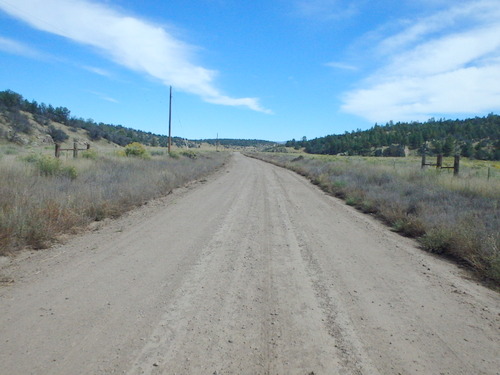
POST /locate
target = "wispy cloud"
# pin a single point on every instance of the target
(445, 64)
(340, 65)
(18, 48)
(127, 40)
(99, 71)
(325, 10)
(105, 97)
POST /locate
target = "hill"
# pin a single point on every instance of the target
(477, 137)
(30, 123)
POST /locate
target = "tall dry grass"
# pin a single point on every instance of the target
(454, 216)
(40, 198)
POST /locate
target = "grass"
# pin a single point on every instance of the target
(42, 197)
(454, 216)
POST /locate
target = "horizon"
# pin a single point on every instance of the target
(268, 70)
(389, 123)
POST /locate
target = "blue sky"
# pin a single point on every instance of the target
(267, 69)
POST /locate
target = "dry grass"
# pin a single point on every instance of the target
(453, 216)
(41, 198)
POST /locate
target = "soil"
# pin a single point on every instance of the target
(251, 271)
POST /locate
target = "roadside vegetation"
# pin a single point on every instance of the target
(457, 217)
(42, 197)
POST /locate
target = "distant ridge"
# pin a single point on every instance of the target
(22, 120)
(477, 137)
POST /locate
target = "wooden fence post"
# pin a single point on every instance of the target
(75, 150)
(439, 162)
(423, 160)
(456, 165)
(58, 150)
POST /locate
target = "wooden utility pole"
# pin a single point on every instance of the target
(170, 122)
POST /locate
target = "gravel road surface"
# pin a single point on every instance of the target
(252, 271)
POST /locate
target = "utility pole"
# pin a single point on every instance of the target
(170, 122)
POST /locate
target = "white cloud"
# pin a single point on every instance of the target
(129, 41)
(445, 64)
(325, 10)
(99, 71)
(105, 97)
(18, 48)
(339, 65)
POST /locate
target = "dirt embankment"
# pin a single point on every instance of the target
(254, 271)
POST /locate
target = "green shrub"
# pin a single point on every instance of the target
(136, 149)
(9, 150)
(68, 171)
(57, 135)
(48, 165)
(157, 153)
(189, 154)
(90, 154)
(352, 200)
(31, 158)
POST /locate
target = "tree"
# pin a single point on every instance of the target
(448, 146)
(10, 99)
(57, 135)
(467, 150)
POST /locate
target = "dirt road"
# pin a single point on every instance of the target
(254, 271)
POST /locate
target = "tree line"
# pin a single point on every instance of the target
(237, 142)
(13, 106)
(477, 137)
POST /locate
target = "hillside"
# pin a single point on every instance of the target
(477, 137)
(30, 123)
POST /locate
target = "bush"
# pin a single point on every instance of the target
(48, 166)
(57, 135)
(68, 171)
(157, 153)
(89, 154)
(136, 149)
(189, 154)
(19, 122)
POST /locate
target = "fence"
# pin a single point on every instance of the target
(439, 163)
(75, 149)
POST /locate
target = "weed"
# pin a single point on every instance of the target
(136, 149)
(48, 166)
(189, 154)
(90, 154)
